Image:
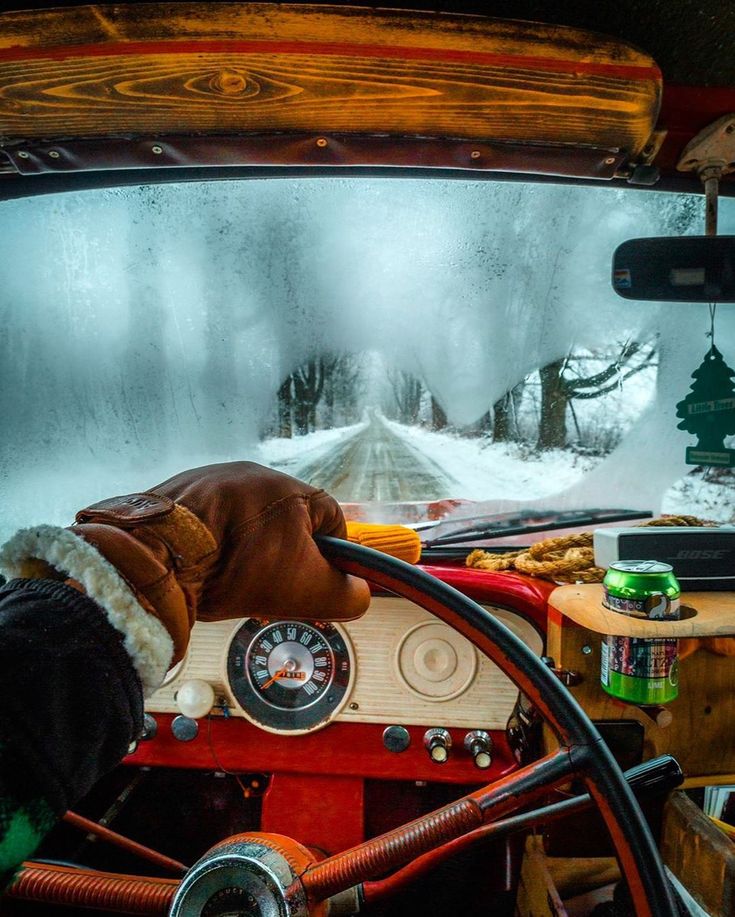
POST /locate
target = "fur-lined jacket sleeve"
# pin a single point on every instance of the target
(71, 703)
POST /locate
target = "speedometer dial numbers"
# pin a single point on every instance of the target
(289, 676)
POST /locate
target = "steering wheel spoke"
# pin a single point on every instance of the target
(395, 848)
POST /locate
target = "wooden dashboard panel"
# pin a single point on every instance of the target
(395, 646)
(701, 734)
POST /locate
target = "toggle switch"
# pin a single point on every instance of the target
(437, 742)
(479, 744)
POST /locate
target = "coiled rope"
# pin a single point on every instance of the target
(566, 559)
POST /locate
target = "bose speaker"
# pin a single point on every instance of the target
(702, 558)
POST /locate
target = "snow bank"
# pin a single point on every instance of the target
(495, 471)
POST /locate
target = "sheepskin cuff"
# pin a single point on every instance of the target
(145, 638)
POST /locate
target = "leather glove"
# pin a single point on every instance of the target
(222, 541)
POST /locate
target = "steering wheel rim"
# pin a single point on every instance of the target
(590, 757)
(582, 753)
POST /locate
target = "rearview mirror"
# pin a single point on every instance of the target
(671, 269)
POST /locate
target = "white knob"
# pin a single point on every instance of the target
(195, 698)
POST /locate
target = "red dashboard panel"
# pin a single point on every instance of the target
(342, 749)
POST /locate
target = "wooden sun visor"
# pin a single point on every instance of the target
(223, 84)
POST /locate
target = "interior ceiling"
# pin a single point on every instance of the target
(692, 40)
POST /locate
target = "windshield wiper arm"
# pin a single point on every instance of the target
(515, 525)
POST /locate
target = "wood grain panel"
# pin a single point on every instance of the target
(704, 614)
(379, 694)
(176, 70)
(701, 735)
(699, 855)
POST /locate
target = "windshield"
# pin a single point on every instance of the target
(416, 347)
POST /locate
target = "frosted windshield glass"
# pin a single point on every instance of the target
(394, 341)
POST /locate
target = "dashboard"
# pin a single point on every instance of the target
(397, 664)
(370, 744)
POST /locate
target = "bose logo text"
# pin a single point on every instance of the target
(700, 555)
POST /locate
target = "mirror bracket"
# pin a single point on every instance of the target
(711, 154)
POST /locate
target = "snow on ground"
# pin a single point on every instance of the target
(708, 494)
(490, 471)
(290, 455)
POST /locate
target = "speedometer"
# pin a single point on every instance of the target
(289, 676)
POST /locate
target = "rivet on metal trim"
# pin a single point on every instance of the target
(321, 141)
(22, 154)
(610, 161)
(475, 154)
(54, 154)
(157, 150)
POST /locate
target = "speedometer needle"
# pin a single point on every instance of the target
(279, 674)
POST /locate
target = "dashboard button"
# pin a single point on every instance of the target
(184, 728)
(396, 738)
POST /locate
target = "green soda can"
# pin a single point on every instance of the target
(636, 670)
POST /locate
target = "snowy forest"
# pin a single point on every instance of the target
(541, 411)
(144, 330)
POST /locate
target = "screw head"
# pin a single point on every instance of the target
(157, 150)
(587, 649)
(610, 161)
(322, 142)
(54, 154)
(475, 154)
(354, 706)
(22, 154)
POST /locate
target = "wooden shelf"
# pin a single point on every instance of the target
(704, 614)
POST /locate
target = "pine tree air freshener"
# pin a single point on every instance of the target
(708, 411)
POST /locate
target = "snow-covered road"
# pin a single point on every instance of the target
(377, 465)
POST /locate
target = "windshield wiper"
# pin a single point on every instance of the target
(544, 521)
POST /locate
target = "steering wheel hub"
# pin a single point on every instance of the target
(247, 875)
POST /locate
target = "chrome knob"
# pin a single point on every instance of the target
(396, 738)
(437, 742)
(150, 728)
(479, 744)
(184, 728)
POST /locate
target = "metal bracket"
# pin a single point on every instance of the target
(568, 677)
(711, 154)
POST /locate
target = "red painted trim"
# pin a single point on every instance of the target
(524, 594)
(334, 49)
(556, 617)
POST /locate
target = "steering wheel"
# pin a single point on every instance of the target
(273, 876)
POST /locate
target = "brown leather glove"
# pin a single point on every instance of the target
(222, 541)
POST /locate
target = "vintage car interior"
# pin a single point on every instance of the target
(452, 750)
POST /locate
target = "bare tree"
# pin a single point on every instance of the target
(438, 416)
(562, 383)
(407, 391)
(285, 408)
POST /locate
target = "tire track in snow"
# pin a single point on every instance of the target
(377, 465)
